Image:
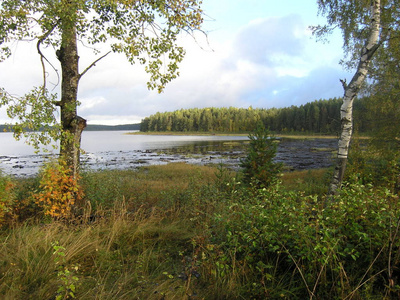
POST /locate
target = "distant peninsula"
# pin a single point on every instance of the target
(112, 127)
(6, 128)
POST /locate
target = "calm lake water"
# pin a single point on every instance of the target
(117, 149)
(107, 149)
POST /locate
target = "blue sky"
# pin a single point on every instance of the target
(259, 53)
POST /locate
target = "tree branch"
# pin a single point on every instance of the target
(344, 83)
(43, 58)
(93, 64)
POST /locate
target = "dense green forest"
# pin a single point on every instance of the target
(322, 116)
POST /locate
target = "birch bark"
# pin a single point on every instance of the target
(350, 92)
(72, 125)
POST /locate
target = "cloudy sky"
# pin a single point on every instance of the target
(259, 53)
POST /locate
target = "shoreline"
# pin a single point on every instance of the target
(195, 133)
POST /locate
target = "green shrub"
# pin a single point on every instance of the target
(370, 164)
(280, 244)
(24, 207)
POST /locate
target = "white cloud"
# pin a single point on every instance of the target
(89, 103)
(267, 41)
(113, 119)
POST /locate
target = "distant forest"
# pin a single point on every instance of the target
(322, 117)
(4, 128)
(112, 127)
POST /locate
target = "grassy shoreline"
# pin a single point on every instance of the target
(179, 133)
(196, 133)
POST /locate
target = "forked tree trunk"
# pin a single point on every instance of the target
(350, 92)
(72, 125)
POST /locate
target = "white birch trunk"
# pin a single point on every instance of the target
(350, 92)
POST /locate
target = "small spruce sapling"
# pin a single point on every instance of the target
(259, 168)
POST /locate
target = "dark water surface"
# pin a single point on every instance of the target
(118, 150)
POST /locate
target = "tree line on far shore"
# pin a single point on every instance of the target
(321, 116)
(90, 127)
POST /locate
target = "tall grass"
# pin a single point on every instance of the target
(311, 182)
(122, 256)
(147, 187)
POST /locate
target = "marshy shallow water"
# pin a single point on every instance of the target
(118, 150)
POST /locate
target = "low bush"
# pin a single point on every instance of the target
(278, 244)
(58, 190)
(372, 164)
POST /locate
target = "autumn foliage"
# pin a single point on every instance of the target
(58, 190)
(6, 197)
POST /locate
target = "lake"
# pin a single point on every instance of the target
(119, 150)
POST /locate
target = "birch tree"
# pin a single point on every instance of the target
(365, 26)
(146, 31)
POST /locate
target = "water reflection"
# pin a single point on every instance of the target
(209, 147)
